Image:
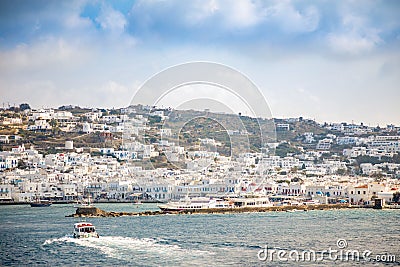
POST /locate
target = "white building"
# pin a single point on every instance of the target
(386, 145)
(165, 132)
(355, 152)
(40, 125)
(5, 192)
(282, 127)
(346, 140)
(86, 127)
(324, 144)
(8, 162)
(365, 193)
(309, 137)
(4, 139)
(368, 168)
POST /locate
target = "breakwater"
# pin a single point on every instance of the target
(96, 212)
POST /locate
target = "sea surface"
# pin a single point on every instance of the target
(43, 237)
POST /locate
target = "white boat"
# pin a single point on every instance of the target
(251, 202)
(83, 203)
(311, 202)
(85, 230)
(196, 203)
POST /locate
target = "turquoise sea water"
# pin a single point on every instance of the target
(42, 237)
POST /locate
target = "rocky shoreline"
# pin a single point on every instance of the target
(96, 212)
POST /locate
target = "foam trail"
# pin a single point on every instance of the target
(67, 238)
(123, 247)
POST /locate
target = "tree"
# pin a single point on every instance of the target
(21, 164)
(54, 126)
(154, 119)
(297, 180)
(283, 181)
(367, 159)
(24, 106)
(378, 177)
(284, 148)
(115, 112)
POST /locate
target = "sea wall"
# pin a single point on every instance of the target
(96, 212)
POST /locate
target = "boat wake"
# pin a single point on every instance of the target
(126, 247)
(66, 238)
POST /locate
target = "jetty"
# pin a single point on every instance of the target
(96, 212)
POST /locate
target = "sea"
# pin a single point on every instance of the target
(347, 237)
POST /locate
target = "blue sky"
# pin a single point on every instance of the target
(325, 60)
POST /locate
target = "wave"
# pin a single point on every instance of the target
(124, 247)
(67, 238)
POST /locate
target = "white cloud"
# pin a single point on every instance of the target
(71, 18)
(241, 14)
(111, 19)
(355, 36)
(113, 24)
(248, 13)
(220, 16)
(219, 13)
(353, 43)
(45, 52)
(290, 19)
(71, 59)
(200, 11)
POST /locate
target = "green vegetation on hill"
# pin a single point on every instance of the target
(283, 149)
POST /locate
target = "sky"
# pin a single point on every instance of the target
(332, 61)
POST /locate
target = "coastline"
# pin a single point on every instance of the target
(55, 202)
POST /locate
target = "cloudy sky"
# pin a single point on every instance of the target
(325, 60)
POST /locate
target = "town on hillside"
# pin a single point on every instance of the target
(69, 153)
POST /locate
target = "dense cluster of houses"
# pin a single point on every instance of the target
(117, 174)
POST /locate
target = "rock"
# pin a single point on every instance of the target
(90, 211)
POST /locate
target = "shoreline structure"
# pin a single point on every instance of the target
(5, 203)
(96, 212)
